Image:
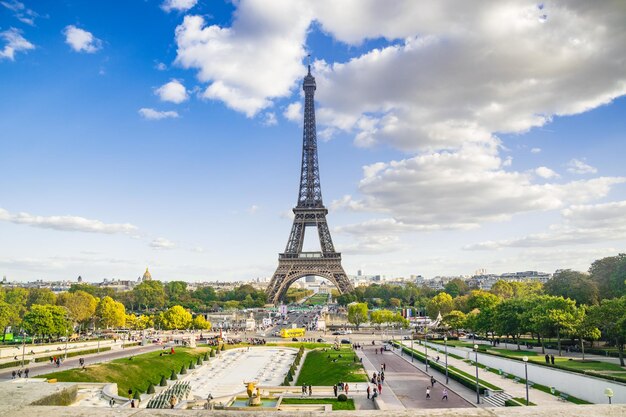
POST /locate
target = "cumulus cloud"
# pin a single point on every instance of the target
(545, 172)
(463, 188)
(67, 223)
(152, 114)
(269, 119)
(14, 42)
(577, 166)
(173, 91)
(80, 40)
(535, 150)
(252, 62)
(162, 243)
(581, 224)
(293, 112)
(178, 5)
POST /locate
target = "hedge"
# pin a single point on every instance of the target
(70, 354)
(12, 364)
(125, 345)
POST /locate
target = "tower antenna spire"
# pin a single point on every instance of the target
(308, 61)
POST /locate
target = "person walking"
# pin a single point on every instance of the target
(19, 373)
(375, 394)
(310, 390)
(382, 378)
(111, 402)
(380, 388)
(346, 388)
(26, 371)
(173, 401)
(428, 393)
(432, 381)
(552, 359)
(384, 366)
(547, 359)
(368, 391)
(15, 373)
(444, 395)
(335, 389)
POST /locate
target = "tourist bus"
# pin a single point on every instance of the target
(297, 332)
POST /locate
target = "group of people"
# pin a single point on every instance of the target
(549, 359)
(18, 373)
(56, 360)
(307, 388)
(341, 386)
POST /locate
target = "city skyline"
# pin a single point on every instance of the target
(452, 137)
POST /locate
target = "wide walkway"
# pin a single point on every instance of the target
(405, 385)
(516, 389)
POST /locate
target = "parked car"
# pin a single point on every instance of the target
(336, 333)
(294, 339)
(387, 347)
(346, 342)
(321, 340)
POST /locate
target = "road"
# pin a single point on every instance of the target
(45, 367)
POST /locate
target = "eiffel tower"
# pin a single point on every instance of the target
(294, 264)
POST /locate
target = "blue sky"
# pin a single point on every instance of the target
(168, 134)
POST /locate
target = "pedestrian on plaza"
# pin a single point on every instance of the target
(381, 368)
(380, 388)
(335, 389)
(375, 394)
(376, 351)
(111, 402)
(382, 378)
(51, 359)
(444, 395)
(303, 389)
(547, 359)
(310, 390)
(346, 388)
(552, 359)
(381, 350)
(132, 403)
(19, 373)
(173, 401)
(368, 391)
(15, 373)
(384, 366)
(428, 393)
(432, 381)
(26, 371)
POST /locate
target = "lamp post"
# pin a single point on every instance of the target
(609, 393)
(445, 344)
(525, 359)
(476, 364)
(411, 348)
(426, 349)
(23, 346)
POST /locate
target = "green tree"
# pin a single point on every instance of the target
(509, 318)
(41, 296)
(80, 304)
(585, 329)
(456, 287)
(610, 317)
(150, 294)
(176, 291)
(602, 272)
(502, 289)
(111, 313)
(549, 315)
(454, 320)
(573, 284)
(176, 318)
(440, 303)
(46, 320)
(357, 314)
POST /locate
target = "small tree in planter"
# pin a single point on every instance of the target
(150, 389)
(212, 353)
(191, 365)
(206, 356)
(183, 370)
(173, 377)
(163, 382)
(199, 361)
(137, 395)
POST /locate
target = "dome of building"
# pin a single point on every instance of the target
(147, 276)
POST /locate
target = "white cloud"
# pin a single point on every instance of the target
(80, 40)
(535, 150)
(293, 112)
(67, 223)
(172, 91)
(160, 66)
(577, 166)
(255, 60)
(15, 42)
(462, 189)
(178, 5)
(545, 172)
(371, 245)
(582, 224)
(22, 13)
(152, 114)
(269, 119)
(162, 243)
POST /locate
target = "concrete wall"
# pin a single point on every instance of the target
(588, 388)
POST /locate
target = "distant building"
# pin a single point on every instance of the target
(146, 276)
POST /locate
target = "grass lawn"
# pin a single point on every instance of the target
(319, 369)
(317, 299)
(307, 345)
(337, 405)
(135, 374)
(514, 353)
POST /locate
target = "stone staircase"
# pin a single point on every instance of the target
(498, 399)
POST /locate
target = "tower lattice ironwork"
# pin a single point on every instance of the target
(294, 264)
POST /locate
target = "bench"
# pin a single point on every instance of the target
(516, 379)
(505, 375)
(487, 368)
(563, 397)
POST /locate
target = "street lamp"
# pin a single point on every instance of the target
(609, 393)
(525, 359)
(426, 349)
(445, 344)
(23, 346)
(476, 363)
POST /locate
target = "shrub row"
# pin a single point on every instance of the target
(12, 364)
(79, 353)
(125, 345)
(294, 366)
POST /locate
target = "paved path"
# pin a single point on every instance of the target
(516, 389)
(46, 368)
(407, 383)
